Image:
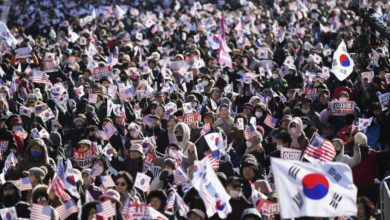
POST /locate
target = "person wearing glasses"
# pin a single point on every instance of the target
(124, 185)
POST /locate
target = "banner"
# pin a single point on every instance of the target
(49, 63)
(100, 72)
(341, 108)
(311, 93)
(23, 52)
(83, 159)
(314, 189)
(384, 100)
(190, 118)
(290, 154)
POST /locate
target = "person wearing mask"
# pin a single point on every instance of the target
(11, 197)
(238, 202)
(133, 163)
(7, 141)
(283, 139)
(36, 155)
(344, 158)
(182, 136)
(308, 111)
(74, 135)
(156, 130)
(41, 196)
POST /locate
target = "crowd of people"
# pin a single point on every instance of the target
(97, 97)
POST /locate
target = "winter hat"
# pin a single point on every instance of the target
(112, 195)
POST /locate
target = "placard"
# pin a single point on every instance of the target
(23, 52)
(384, 100)
(311, 93)
(341, 108)
(290, 154)
(49, 63)
(190, 118)
(100, 72)
(83, 159)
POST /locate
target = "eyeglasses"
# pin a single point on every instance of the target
(120, 183)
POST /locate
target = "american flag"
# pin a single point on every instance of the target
(320, 149)
(212, 157)
(39, 77)
(109, 129)
(107, 181)
(20, 132)
(270, 121)
(96, 170)
(40, 212)
(177, 155)
(206, 128)
(92, 98)
(106, 209)
(249, 131)
(67, 209)
(24, 184)
(125, 93)
(126, 208)
(179, 176)
(59, 188)
(170, 201)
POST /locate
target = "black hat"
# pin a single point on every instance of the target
(156, 194)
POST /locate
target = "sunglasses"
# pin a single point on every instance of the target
(120, 183)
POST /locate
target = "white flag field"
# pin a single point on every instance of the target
(210, 189)
(320, 189)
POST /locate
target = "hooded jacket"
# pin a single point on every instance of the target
(22, 208)
(185, 145)
(295, 135)
(28, 162)
(350, 161)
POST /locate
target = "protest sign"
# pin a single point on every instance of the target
(384, 100)
(190, 118)
(290, 154)
(83, 159)
(23, 52)
(341, 108)
(311, 93)
(49, 63)
(100, 72)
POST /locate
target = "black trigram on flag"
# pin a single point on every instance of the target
(298, 200)
(335, 200)
(293, 171)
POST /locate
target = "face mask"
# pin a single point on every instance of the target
(294, 130)
(36, 154)
(275, 76)
(235, 194)
(179, 138)
(79, 127)
(258, 114)
(305, 111)
(205, 82)
(279, 146)
(10, 200)
(248, 144)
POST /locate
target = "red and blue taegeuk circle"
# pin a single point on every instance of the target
(344, 60)
(315, 186)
